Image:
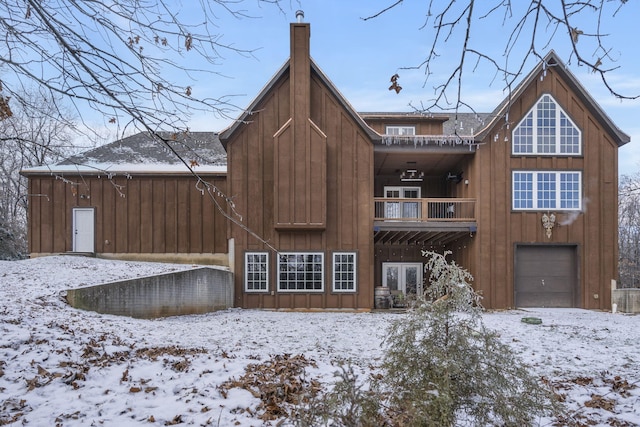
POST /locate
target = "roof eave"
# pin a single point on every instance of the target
(226, 134)
(244, 118)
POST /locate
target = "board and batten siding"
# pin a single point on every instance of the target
(593, 230)
(348, 202)
(141, 215)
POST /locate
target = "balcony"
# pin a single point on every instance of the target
(423, 221)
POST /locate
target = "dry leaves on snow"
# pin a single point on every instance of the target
(278, 382)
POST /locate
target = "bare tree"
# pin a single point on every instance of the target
(629, 231)
(126, 59)
(29, 137)
(529, 28)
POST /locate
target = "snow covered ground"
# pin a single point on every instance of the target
(62, 366)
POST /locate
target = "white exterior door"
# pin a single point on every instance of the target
(402, 277)
(83, 230)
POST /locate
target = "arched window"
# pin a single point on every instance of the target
(547, 130)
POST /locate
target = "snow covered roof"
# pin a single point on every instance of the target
(144, 153)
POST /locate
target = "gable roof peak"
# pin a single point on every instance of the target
(553, 60)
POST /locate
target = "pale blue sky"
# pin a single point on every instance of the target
(359, 57)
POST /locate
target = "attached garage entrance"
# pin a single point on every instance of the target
(546, 276)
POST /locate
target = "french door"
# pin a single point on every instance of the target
(402, 277)
(402, 209)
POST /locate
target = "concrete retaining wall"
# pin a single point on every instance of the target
(626, 300)
(196, 291)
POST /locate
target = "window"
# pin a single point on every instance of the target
(544, 190)
(400, 130)
(344, 271)
(301, 271)
(546, 130)
(256, 271)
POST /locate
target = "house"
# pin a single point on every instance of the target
(330, 205)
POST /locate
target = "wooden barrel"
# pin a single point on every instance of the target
(382, 297)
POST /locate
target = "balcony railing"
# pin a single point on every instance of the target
(430, 209)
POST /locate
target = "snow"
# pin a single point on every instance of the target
(111, 169)
(63, 366)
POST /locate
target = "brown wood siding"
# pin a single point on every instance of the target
(300, 165)
(140, 215)
(349, 198)
(593, 231)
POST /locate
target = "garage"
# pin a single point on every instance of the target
(546, 276)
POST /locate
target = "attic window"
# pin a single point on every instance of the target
(547, 130)
(400, 130)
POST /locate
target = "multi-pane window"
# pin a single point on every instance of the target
(522, 190)
(546, 130)
(301, 271)
(344, 271)
(400, 130)
(256, 271)
(545, 190)
(570, 190)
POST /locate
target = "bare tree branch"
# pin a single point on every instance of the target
(531, 28)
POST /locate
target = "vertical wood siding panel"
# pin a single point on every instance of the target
(364, 220)
(97, 202)
(254, 197)
(593, 215)
(316, 177)
(158, 204)
(209, 223)
(237, 169)
(120, 242)
(183, 215)
(348, 191)
(61, 233)
(221, 240)
(171, 215)
(483, 241)
(328, 114)
(502, 294)
(146, 216)
(133, 218)
(284, 186)
(271, 122)
(195, 218)
(105, 215)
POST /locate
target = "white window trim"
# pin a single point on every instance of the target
(402, 189)
(355, 272)
(535, 191)
(246, 272)
(400, 130)
(402, 278)
(535, 152)
(322, 279)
